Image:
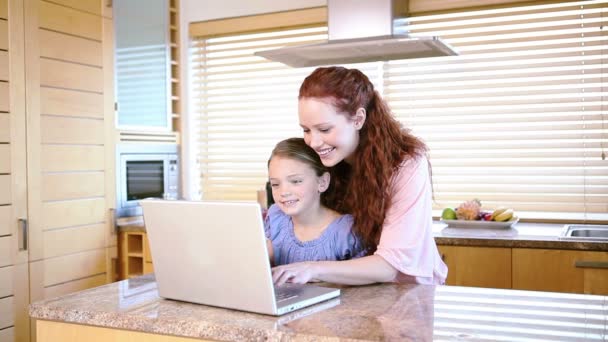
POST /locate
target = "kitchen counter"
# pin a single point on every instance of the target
(521, 235)
(131, 310)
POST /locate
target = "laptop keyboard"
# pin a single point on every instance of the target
(286, 292)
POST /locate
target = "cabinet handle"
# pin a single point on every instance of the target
(23, 238)
(591, 264)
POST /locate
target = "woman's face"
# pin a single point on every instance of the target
(333, 135)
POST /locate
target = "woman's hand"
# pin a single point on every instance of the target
(299, 273)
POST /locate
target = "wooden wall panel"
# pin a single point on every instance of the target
(3, 35)
(57, 158)
(5, 189)
(63, 19)
(7, 334)
(5, 158)
(5, 219)
(71, 103)
(5, 250)
(5, 125)
(69, 48)
(59, 242)
(74, 286)
(71, 76)
(92, 6)
(6, 281)
(6, 312)
(72, 213)
(4, 104)
(62, 130)
(64, 186)
(74, 266)
(4, 9)
(3, 66)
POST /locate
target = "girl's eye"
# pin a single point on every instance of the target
(296, 181)
(274, 185)
(324, 130)
(305, 130)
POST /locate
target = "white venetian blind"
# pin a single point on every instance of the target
(519, 118)
(245, 105)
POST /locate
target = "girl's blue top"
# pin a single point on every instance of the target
(337, 242)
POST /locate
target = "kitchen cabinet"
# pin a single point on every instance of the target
(135, 257)
(560, 270)
(477, 266)
(56, 153)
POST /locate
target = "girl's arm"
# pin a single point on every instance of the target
(270, 250)
(361, 271)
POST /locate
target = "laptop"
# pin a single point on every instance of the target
(214, 253)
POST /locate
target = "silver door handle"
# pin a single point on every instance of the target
(23, 238)
(591, 264)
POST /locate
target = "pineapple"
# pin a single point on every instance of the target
(469, 210)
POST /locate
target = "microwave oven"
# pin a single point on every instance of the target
(145, 171)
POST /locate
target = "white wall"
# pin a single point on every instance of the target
(202, 10)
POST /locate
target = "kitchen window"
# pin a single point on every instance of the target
(518, 119)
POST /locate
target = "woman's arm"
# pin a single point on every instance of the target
(361, 271)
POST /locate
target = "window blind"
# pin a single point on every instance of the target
(245, 105)
(518, 119)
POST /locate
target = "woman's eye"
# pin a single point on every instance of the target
(324, 130)
(274, 185)
(296, 181)
(305, 130)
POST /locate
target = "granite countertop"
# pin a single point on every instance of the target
(364, 313)
(521, 235)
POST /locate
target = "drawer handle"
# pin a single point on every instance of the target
(591, 264)
(23, 238)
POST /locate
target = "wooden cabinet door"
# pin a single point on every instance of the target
(477, 266)
(14, 272)
(70, 145)
(595, 272)
(547, 270)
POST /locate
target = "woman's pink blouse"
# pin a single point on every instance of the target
(407, 241)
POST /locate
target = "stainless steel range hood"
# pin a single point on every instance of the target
(362, 31)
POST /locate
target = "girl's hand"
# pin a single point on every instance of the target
(299, 273)
(270, 250)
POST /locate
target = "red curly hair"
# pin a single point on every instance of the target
(363, 188)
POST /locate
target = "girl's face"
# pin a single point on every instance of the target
(296, 188)
(333, 135)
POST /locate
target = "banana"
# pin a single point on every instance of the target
(497, 212)
(504, 216)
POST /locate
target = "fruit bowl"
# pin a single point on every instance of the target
(480, 223)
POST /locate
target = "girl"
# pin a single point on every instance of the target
(382, 177)
(299, 226)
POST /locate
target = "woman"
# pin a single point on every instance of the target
(381, 176)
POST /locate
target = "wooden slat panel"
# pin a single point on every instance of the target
(62, 130)
(5, 186)
(7, 312)
(72, 213)
(5, 250)
(69, 48)
(91, 6)
(72, 158)
(5, 219)
(71, 103)
(5, 126)
(74, 286)
(71, 76)
(6, 281)
(59, 242)
(64, 186)
(4, 105)
(66, 20)
(7, 334)
(5, 159)
(4, 9)
(3, 35)
(3, 66)
(74, 266)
